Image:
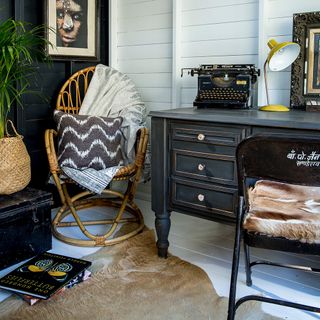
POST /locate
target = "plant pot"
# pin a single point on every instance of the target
(15, 164)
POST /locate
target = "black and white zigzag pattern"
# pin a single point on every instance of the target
(88, 141)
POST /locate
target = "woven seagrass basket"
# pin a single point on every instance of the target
(15, 166)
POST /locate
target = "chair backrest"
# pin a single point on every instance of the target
(282, 158)
(71, 94)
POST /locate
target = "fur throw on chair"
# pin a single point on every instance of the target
(284, 210)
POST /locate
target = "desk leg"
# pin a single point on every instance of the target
(159, 181)
(163, 224)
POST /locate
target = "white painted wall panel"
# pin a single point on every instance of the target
(146, 51)
(204, 4)
(152, 22)
(216, 32)
(279, 80)
(152, 39)
(189, 62)
(220, 47)
(238, 12)
(279, 97)
(286, 8)
(144, 37)
(144, 66)
(145, 8)
(144, 47)
(158, 106)
(162, 95)
(279, 26)
(152, 80)
(245, 29)
(188, 95)
(124, 2)
(211, 31)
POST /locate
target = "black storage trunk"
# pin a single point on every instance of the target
(25, 225)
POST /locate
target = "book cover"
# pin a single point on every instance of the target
(43, 275)
(83, 276)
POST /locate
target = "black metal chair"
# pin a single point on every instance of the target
(285, 166)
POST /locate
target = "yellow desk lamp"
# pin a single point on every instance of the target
(281, 56)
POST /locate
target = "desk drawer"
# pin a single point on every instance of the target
(217, 134)
(207, 167)
(206, 138)
(209, 199)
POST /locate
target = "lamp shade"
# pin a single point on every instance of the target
(282, 55)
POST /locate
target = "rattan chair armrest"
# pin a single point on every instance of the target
(141, 149)
(49, 138)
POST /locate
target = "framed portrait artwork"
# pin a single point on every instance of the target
(74, 29)
(305, 77)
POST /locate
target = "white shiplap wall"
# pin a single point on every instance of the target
(278, 24)
(151, 40)
(216, 32)
(204, 31)
(143, 47)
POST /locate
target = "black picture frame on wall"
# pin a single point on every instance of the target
(305, 72)
(74, 29)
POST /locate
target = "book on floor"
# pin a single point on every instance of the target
(83, 276)
(43, 275)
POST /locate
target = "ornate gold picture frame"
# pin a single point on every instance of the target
(305, 75)
(313, 70)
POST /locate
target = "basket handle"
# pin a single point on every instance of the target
(13, 128)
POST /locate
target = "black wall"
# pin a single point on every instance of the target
(36, 115)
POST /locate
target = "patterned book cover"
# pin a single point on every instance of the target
(43, 275)
(82, 276)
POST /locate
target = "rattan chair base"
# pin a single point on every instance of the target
(135, 219)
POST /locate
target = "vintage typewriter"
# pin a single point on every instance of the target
(224, 85)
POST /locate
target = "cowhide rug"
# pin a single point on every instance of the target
(129, 281)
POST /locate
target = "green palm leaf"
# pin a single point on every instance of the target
(22, 46)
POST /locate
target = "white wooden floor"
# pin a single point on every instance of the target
(209, 245)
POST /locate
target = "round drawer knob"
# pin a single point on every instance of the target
(200, 197)
(201, 136)
(201, 166)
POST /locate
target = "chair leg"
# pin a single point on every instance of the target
(247, 264)
(235, 267)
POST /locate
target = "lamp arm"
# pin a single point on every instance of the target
(266, 80)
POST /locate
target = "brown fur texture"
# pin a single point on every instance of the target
(284, 210)
(137, 285)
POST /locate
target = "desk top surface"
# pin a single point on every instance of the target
(294, 119)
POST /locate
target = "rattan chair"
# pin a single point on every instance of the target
(122, 203)
(292, 164)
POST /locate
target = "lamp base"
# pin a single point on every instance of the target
(274, 108)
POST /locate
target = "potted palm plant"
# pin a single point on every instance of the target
(22, 47)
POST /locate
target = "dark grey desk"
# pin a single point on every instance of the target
(193, 159)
